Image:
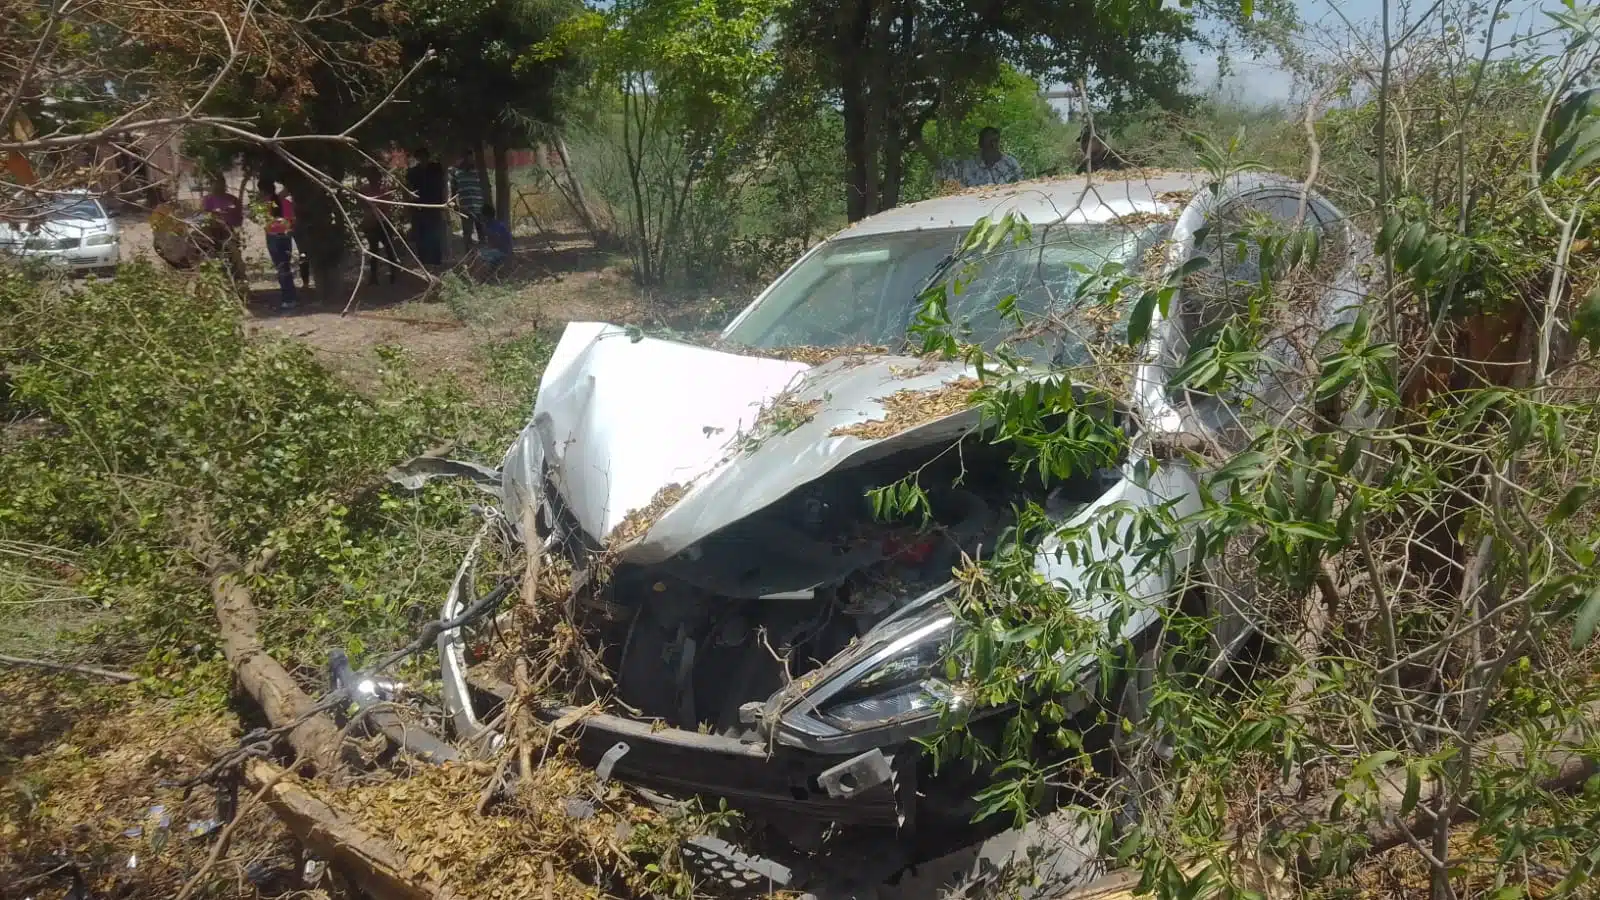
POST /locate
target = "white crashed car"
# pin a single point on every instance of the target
(71, 231)
(781, 648)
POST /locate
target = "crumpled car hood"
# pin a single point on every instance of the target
(654, 444)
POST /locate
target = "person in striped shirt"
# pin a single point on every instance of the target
(468, 191)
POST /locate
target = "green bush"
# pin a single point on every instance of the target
(164, 419)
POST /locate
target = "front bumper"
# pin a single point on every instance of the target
(873, 787)
(776, 780)
(81, 259)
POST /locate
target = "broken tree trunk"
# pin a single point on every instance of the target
(371, 863)
(314, 736)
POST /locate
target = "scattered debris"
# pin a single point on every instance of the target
(816, 356)
(905, 410)
(1137, 219)
(638, 521)
(431, 817)
(784, 415)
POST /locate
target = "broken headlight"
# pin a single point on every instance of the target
(891, 680)
(902, 682)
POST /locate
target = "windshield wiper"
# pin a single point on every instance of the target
(911, 308)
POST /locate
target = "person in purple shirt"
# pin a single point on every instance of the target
(224, 216)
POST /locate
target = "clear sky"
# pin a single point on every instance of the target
(1263, 82)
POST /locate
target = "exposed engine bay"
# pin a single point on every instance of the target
(771, 598)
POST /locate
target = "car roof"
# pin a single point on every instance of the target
(1103, 197)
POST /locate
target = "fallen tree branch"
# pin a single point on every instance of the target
(1569, 769)
(314, 736)
(371, 863)
(110, 674)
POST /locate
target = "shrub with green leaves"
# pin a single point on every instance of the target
(153, 417)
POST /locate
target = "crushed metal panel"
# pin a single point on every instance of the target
(619, 421)
(841, 393)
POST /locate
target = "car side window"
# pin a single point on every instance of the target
(1222, 290)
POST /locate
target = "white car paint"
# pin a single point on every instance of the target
(83, 238)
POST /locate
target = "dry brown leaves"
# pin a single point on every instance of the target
(783, 415)
(816, 356)
(431, 818)
(1144, 217)
(638, 521)
(904, 410)
(82, 769)
(1402, 874)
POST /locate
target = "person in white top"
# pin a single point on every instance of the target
(990, 166)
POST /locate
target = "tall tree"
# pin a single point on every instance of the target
(479, 88)
(893, 65)
(685, 81)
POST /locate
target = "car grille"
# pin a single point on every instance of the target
(53, 243)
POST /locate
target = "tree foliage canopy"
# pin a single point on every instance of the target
(894, 66)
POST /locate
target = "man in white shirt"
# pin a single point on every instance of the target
(991, 166)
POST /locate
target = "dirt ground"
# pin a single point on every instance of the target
(553, 277)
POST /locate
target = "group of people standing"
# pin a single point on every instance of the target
(225, 216)
(431, 196)
(460, 191)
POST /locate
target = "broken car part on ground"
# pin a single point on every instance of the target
(771, 643)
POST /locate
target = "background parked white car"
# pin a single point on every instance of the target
(72, 231)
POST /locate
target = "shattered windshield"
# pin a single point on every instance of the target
(864, 291)
(75, 208)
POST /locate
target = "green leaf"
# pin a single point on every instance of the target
(1586, 320)
(1309, 530)
(1588, 618)
(1410, 243)
(1573, 109)
(1190, 266)
(1408, 802)
(1569, 504)
(1247, 8)
(1000, 233)
(1373, 763)
(1351, 454)
(1139, 319)
(1247, 465)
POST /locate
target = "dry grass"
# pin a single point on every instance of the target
(904, 410)
(83, 767)
(638, 521)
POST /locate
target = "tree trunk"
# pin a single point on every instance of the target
(372, 863)
(502, 181)
(575, 196)
(634, 123)
(894, 157)
(857, 154)
(321, 234)
(315, 738)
